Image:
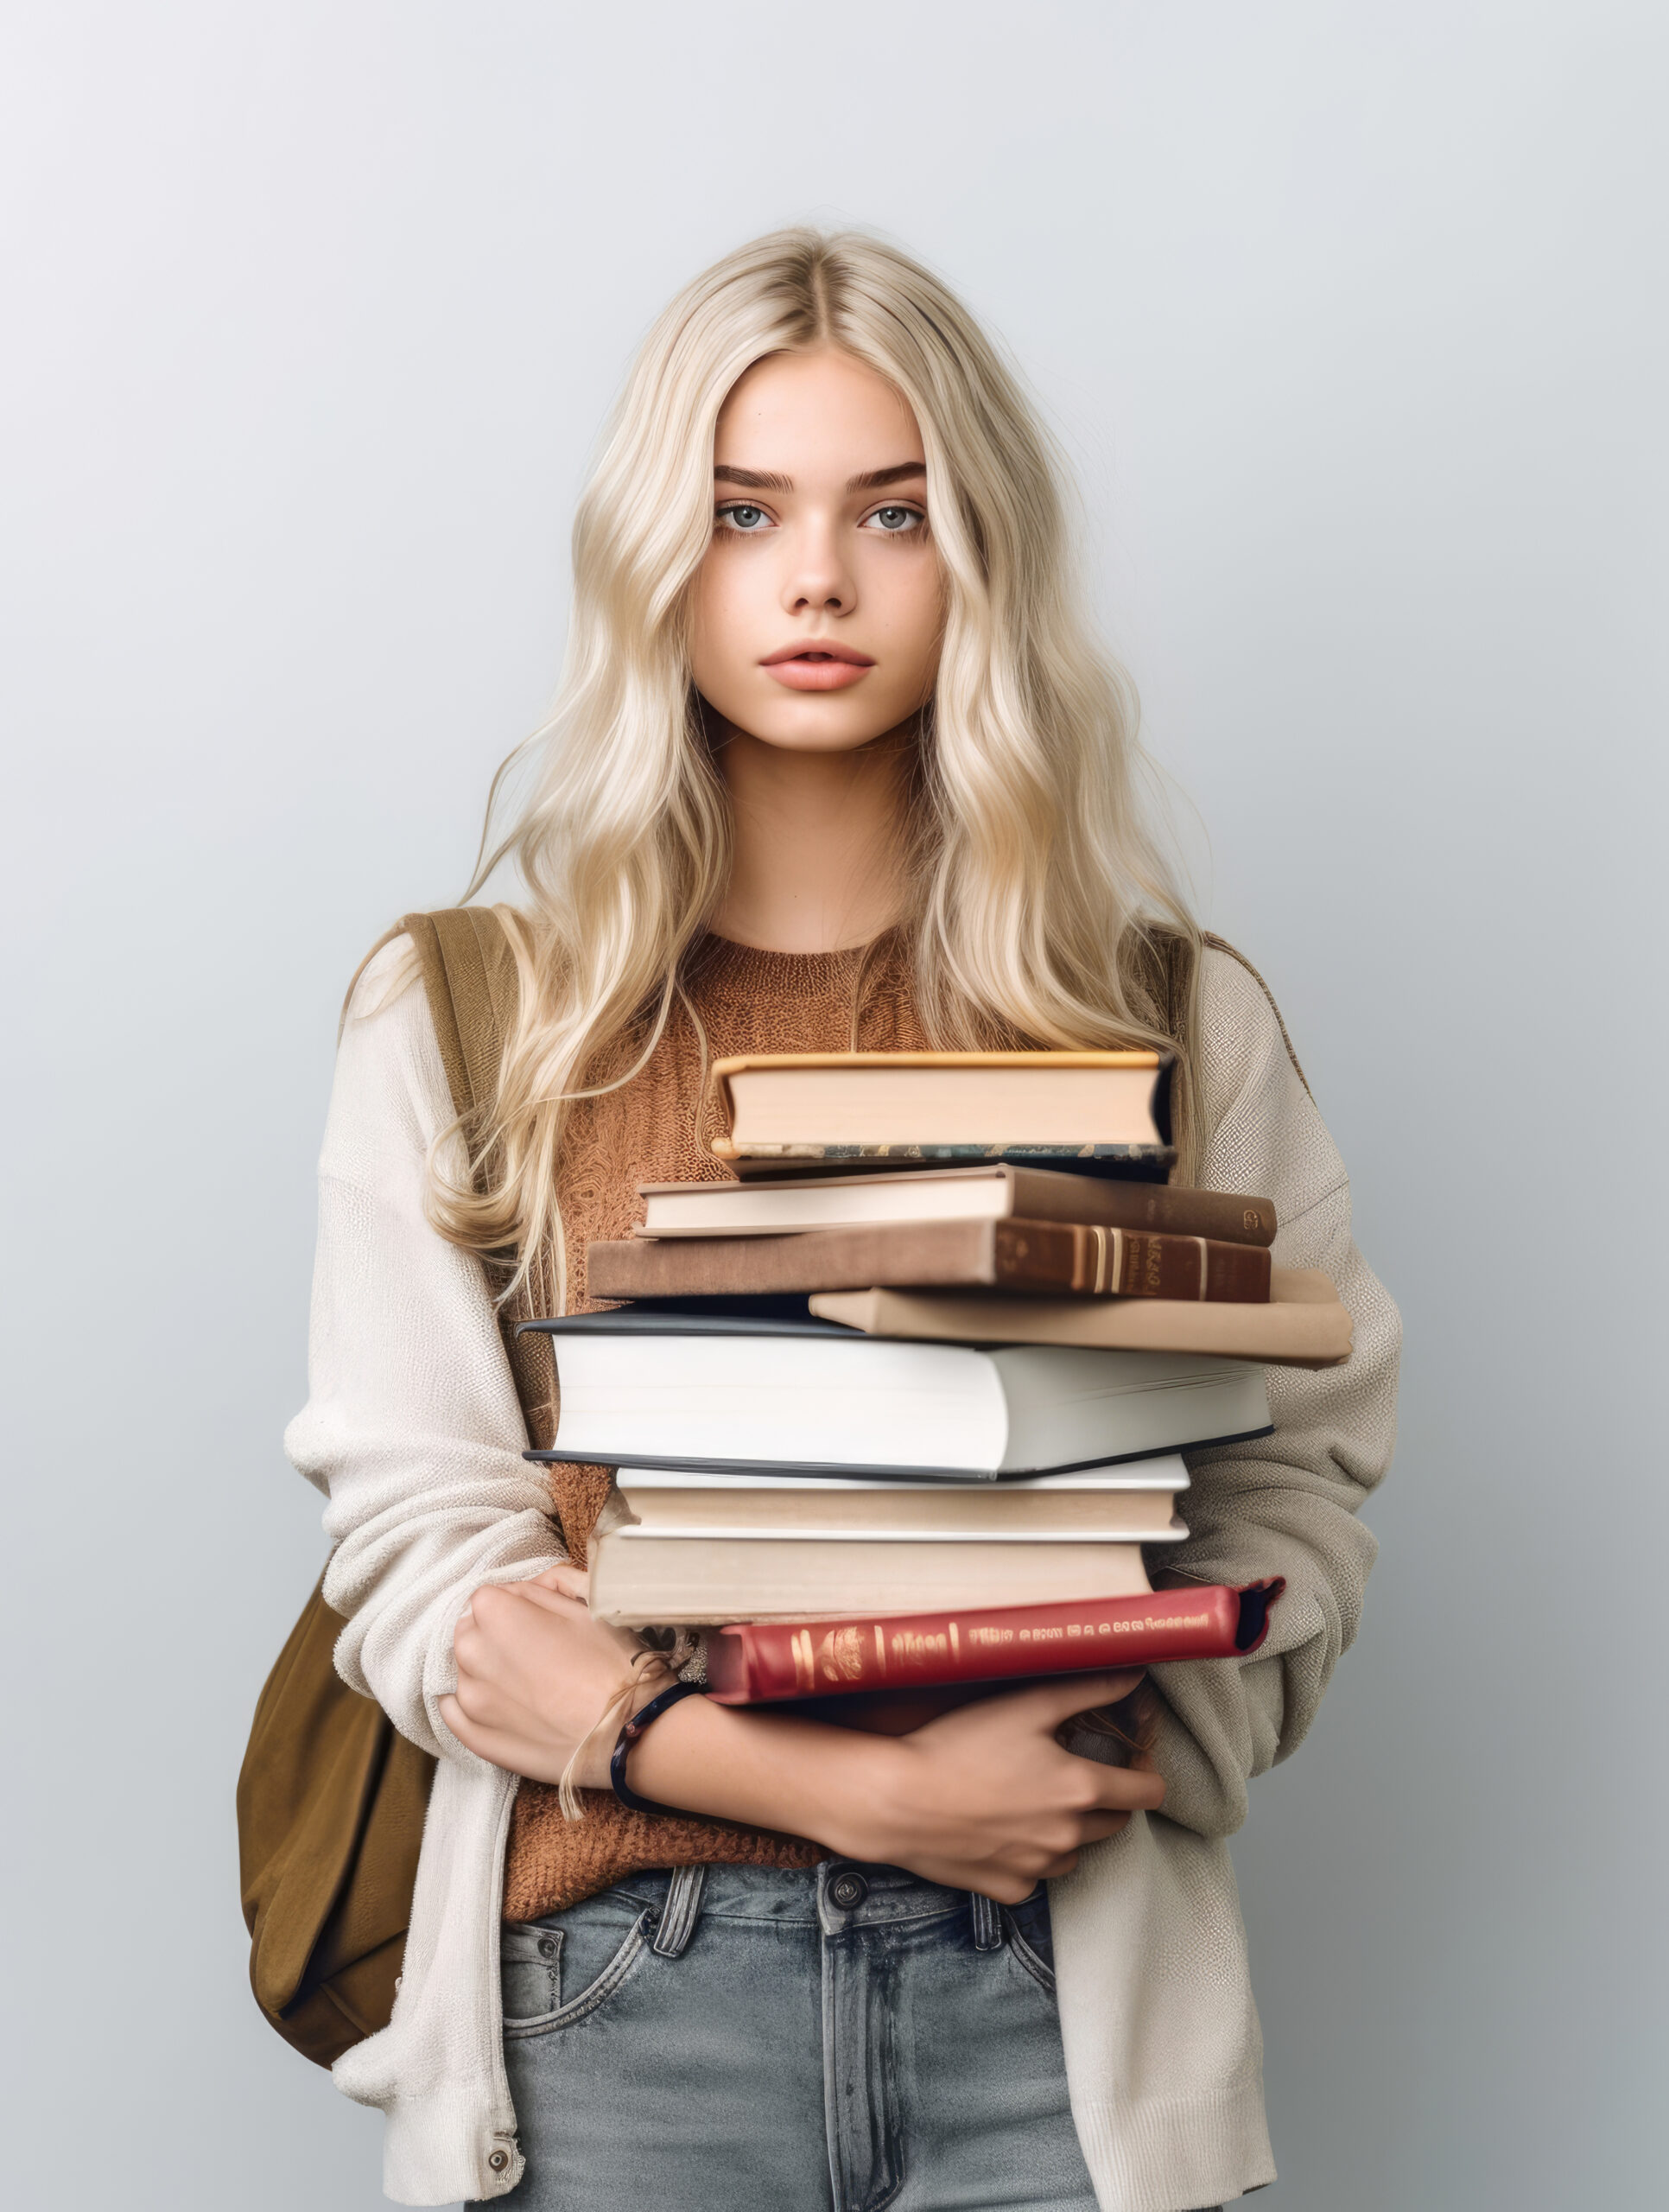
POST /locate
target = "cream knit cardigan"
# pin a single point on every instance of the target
(413, 1430)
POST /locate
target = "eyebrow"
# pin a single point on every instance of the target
(755, 480)
(900, 472)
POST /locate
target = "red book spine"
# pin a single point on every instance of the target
(754, 1664)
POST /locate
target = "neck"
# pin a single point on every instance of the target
(817, 840)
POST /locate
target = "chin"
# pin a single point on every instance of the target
(812, 723)
(799, 739)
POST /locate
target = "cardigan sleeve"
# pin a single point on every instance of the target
(412, 1425)
(1285, 1504)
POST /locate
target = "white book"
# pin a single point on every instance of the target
(1166, 1470)
(1133, 1502)
(692, 1392)
(638, 1577)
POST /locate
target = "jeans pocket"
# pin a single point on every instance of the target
(1032, 1939)
(557, 2014)
(530, 1971)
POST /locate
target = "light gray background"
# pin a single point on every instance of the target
(1350, 318)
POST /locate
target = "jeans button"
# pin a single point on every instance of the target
(547, 1947)
(849, 1891)
(498, 2160)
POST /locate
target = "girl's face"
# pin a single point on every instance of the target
(816, 613)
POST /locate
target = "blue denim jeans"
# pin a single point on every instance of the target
(754, 2039)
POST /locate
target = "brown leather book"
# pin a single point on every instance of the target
(1052, 1259)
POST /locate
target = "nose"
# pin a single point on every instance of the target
(818, 579)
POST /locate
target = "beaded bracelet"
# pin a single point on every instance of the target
(632, 1728)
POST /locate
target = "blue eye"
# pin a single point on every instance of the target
(739, 515)
(893, 522)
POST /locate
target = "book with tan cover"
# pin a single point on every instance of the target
(870, 1108)
(638, 1576)
(1305, 1323)
(987, 1191)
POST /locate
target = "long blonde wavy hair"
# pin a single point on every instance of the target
(1036, 887)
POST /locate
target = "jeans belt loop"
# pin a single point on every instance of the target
(987, 1925)
(680, 1912)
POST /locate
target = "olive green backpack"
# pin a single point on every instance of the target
(331, 1798)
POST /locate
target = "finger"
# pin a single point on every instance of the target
(1051, 1702)
(1123, 1789)
(567, 1579)
(538, 1591)
(462, 1726)
(1098, 1827)
(497, 1745)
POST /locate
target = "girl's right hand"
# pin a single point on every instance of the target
(984, 1798)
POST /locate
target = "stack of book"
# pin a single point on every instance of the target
(902, 1403)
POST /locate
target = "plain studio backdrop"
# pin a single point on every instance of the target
(1350, 321)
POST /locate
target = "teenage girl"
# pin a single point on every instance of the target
(834, 763)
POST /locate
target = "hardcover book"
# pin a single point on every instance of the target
(1305, 1323)
(689, 1391)
(1132, 1501)
(759, 1663)
(787, 1109)
(984, 1192)
(639, 1576)
(1023, 1257)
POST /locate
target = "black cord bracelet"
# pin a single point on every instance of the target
(628, 1736)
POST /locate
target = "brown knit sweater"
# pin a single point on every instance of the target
(651, 1131)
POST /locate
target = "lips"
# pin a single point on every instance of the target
(818, 665)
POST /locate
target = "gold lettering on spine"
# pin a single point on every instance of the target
(955, 1647)
(805, 1672)
(880, 1649)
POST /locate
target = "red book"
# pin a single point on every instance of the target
(756, 1664)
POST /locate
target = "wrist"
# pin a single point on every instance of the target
(769, 1770)
(632, 1729)
(865, 1820)
(591, 1768)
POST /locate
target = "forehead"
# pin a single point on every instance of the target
(796, 414)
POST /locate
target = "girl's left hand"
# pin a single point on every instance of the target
(535, 1674)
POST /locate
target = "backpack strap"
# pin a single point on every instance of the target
(469, 978)
(469, 975)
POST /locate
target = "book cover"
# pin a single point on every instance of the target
(1022, 1256)
(1072, 1099)
(693, 1391)
(1305, 1323)
(1142, 1163)
(759, 1663)
(984, 1191)
(1131, 1502)
(1105, 1113)
(640, 1576)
